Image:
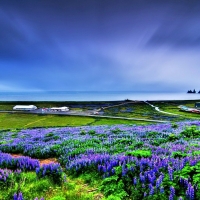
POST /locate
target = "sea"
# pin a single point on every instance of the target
(94, 96)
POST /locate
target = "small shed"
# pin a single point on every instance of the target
(24, 107)
(197, 105)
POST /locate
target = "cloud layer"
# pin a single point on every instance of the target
(99, 45)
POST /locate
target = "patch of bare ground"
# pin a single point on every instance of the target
(98, 196)
(88, 189)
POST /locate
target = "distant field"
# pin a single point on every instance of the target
(130, 110)
(143, 110)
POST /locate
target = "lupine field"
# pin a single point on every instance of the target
(160, 161)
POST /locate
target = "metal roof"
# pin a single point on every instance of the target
(25, 106)
(59, 108)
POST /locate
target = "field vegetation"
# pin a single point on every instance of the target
(102, 162)
(19, 121)
(72, 157)
(145, 111)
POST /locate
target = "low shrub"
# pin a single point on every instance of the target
(178, 154)
(91, 132)
(139, 153)
(191, 132)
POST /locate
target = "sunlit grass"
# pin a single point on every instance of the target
(17, 120)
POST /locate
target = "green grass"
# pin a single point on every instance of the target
(19, 120)
(31, 187)
(145, 111)
(172, 107)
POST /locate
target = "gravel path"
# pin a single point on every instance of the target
(157, 109)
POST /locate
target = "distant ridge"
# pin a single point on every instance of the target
(193, 92)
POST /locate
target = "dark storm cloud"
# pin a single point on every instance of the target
(98, 45)
(181, 29)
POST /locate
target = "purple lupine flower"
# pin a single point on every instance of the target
(113, 171)
(99, 168)
(172, 191)
(185, 182)
(171, 197)
(15, 197)
(132, 169)
(104, 169)
(162, 190)
(20, 196)
(158, 181)
(151, 188)
(190, 192)
(181, 181)
(150, 178)
(135, 181)
(142, 178)
(124, 171)
(170, 172)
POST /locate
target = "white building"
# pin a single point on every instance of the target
(64, 108)
(24, 107)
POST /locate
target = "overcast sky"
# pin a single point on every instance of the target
(99, 45)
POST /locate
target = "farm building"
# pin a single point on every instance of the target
(197, 105)
(24, 107)
(60, 108)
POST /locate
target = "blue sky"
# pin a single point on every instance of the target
(101, 45)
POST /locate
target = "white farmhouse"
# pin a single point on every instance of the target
(24, 107)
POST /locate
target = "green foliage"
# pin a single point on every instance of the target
(125, 141)
(10, 180)
(191, 132)
(116, 131)
(25, 183)
(138, 145)
(174, 125)
(139, 153)
(172, 137)
(91, 132)
(40, 186)
(3, 142)
(83, 132)
(191, 171)
(194, 145)
(196, 153)
(158, 141)
(58, 198)
(152, 134)
(113, 186)
(14, 135)
(178, 154)
(112, 197)
(50, 136)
